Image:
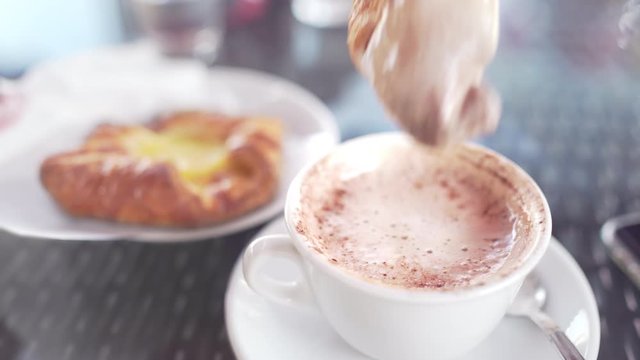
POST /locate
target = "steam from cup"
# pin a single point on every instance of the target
(629, 24)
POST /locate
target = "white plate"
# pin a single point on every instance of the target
(27, 210)
(261, 330)
(118, 83)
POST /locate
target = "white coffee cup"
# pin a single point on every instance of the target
(390, 323)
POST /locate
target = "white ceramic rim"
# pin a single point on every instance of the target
(408, 295)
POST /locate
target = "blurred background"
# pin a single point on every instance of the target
(578, 42)
(568, 72)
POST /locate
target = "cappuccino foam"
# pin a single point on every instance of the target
(410, 216)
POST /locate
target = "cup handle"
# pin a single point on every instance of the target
(274, 246)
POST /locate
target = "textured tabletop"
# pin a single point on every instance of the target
(571, 119)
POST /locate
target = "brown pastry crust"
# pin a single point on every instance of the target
(104, 179)
(365, 15)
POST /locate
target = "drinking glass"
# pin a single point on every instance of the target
(191, 28)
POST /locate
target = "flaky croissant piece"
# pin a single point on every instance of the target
(110, 177)
(365, 15)
(426, 59)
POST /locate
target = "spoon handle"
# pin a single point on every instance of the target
(566, 348)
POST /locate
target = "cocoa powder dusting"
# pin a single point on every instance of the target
(335, 201)
(382, 239)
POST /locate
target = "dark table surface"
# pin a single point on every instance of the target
(571, 119)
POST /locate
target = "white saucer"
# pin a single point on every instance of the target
(27, 210)
(261, 330)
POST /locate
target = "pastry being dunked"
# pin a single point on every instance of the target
(426, 61)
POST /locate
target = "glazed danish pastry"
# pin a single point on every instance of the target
(186, 169)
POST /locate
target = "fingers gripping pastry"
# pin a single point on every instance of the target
(187, 169)
(426, 59)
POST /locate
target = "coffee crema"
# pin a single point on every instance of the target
(405, 215)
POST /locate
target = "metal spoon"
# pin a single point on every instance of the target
(529, 303)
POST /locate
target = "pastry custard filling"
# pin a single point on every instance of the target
(194, 159)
